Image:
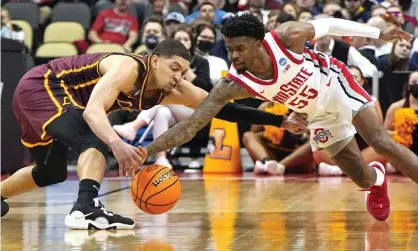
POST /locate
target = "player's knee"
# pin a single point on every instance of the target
(247, 138)
(53, 173)
(83, 143)
(163, 113)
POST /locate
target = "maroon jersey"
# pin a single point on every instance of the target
(46, 91)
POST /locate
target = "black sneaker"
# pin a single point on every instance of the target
(4, 208)
(95, 216)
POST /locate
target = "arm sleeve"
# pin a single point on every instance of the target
(343, 28)
(233, 112)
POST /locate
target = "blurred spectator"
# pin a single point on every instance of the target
(153, 34)
(397, 13)
(116, 25)
(357, 12)
(305, 15)
(269, 146)
(398, 59)
(380, 47)
(10, 30)
(402, 119)
(378, 10)
(330, 8)
(199, 73)
(6, 24)
(172, 21)
(272, 19)
(292, 9)
(206, 37)
(309, 5)
(161, 8)
(184, 5)
(256, 8)
(283, 18)
(208, 12)
(364, 46)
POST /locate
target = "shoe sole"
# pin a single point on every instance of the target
(76, 220)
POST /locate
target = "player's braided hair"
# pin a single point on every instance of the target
(169, 48)
(244, 25)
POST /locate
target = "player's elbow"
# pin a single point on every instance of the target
(88, 114)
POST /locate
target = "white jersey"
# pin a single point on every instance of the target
(311, 83)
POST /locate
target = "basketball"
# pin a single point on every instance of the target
(155, 189)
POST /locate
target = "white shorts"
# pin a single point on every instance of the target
(330, 124)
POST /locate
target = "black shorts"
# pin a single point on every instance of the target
(69, 130)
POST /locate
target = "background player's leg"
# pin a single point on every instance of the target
(255, 146)
(51, 168)
(20, 182)
(301, 157)
(368, 125)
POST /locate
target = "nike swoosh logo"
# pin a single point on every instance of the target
(84, 216)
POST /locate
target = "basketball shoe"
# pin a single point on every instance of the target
(95, 216)
(4, 208)
(377, 199)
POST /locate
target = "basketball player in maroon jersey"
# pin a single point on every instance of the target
(276, 66)
(65, 103)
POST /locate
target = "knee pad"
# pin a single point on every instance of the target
(81, 143)
(52, 173)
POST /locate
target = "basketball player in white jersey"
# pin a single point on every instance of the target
(277, 67)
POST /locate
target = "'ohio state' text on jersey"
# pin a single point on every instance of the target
(297, 79)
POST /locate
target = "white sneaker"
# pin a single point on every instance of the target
(325, 169)
(163, 161)
(259, 168)
(275, 168)
(194, 164)
(126, 131)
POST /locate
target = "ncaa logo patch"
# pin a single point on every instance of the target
(282, 61)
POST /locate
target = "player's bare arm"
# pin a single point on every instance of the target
(294, 34)
(119, 75)
(185, 130)
(185, 94)
(189, 95)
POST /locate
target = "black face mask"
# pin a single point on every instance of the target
(414, 90)
(151, 41)
(204, 45)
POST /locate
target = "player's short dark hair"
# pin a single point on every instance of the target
(244, 25)
(169, 48)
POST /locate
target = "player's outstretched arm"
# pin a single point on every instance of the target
(187, 94)
(295, 34)
(185, 130)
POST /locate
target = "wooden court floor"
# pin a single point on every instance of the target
(224, 213)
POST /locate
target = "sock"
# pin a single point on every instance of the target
(264, 160)
(87, 191)
(380, 177)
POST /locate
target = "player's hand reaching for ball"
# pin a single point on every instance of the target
(295, 123)
(128, 157)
